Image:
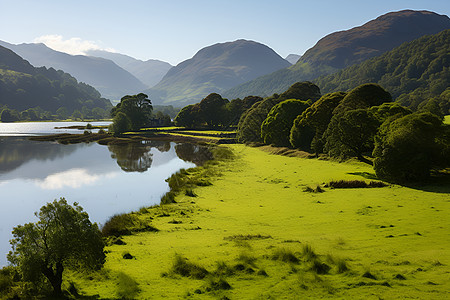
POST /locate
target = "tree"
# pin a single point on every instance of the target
(276, 127)
(211, 110)
(138, 108)
(406, 148)
(249, 127)
(121, 123)
(64, 237)
(351, 134)
(187, 117)
(308, 128)
(62, 113)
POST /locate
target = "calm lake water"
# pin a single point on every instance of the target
(105, 180)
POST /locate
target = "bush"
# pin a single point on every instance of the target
(118, 225)
(183, 267)
(127, 287)
(308, 252)
(319, 267)
(216, 284)
(168, 198)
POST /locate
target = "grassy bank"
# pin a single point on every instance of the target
(264, 230)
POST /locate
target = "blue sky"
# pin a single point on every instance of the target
(174, 30)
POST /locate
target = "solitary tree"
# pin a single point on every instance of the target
(138, 108)
(62, 238)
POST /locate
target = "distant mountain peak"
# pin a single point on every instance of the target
(215, 68)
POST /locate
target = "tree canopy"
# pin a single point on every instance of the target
(249, 127)
(408, 147)
(137, 108)
(308, 128)
(64, 237)
(276, 127)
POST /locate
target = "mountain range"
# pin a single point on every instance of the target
(214, 69)
(149, 72)
(23, 86)
(344, 48)
(109, 79)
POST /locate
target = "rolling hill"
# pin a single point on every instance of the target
(23, 86)
(109, 79)
(149, 72)
(344, 48)
(215, 69)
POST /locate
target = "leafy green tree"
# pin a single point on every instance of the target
(236, 107)
(276, 127)
(187, 117)
(362, 97)
(64, 237)
(389, 109)
(352, 134)
(121, 123)
(211, 110)
(407, 148)
(138, 108)
(308, 128)
(249, 127)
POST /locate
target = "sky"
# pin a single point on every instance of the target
(174, 30)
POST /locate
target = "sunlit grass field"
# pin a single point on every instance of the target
(258, 230)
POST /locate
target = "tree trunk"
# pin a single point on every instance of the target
(55, 277)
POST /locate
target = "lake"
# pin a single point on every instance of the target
(105, 180)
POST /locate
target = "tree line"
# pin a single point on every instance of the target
(403, 145)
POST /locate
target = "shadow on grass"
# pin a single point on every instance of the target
(366, 175)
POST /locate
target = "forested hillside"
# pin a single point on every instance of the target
(416, 73)
(29, 93)
(344, 48)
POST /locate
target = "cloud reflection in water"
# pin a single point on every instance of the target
(73, 178)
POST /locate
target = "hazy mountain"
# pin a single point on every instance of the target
(109, 79)
(215, 69)
(149, 72)
(23, 86)
(413, 72)
(293, 58)
(344, 48)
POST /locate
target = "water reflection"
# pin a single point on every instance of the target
(15, 151)
(194, 153)
(34, 173)
(136, 157)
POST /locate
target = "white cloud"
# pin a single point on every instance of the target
(73, 178)
(74, 46)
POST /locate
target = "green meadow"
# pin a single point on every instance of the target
(269, 228)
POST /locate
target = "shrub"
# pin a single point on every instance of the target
(88, 126)
(119, 225)
(127, 287)
(168, 198)
(183, 267)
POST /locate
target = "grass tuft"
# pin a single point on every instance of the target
(183, 267)
(285, 255)
(308, 253)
